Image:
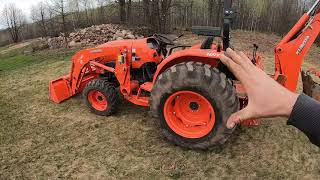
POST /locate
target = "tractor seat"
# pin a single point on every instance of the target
(207, 44)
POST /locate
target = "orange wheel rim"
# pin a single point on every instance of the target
(97, 100)
(189, 114)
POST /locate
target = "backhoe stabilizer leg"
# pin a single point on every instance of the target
(310, 87)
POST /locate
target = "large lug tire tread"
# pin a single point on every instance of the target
(207, 81)
(107, 89)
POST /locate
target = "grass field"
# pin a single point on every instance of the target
(42, 140)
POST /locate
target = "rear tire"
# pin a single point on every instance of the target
(198, 81)
(101, 97)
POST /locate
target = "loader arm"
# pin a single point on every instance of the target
(291, 51)
(81, 63)
(86, 66)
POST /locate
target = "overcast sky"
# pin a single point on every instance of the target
(25, 5)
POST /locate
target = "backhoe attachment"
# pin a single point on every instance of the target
(291, 51)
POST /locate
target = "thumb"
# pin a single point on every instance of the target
(239, 116)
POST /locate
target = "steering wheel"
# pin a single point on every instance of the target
(163, 39)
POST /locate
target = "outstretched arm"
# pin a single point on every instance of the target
(267, 98)
(306, 117)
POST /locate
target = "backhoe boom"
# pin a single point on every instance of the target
(291, 51)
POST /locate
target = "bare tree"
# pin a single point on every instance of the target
(129, 8)
(157, 14)
(52, 30)
(211, 4)
(74, 7)
(146, 9)
(162, 16)
(60, 8)
(92, 12)
(14, 20)
(85, 7)
(122, 10)
(165, 6)
(40, 15)
(101, 10)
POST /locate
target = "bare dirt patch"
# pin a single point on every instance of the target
(15, 47)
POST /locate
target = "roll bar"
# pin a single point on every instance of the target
(227, 22)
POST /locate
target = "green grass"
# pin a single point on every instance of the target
(43, 140)
(16, 60)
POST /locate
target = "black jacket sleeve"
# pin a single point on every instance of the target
(306, 117)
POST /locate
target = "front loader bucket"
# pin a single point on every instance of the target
(60, 90)
(310, 87)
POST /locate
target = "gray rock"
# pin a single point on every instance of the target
(93, 35)
(130, 36)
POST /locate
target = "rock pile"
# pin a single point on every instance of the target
(93, 35)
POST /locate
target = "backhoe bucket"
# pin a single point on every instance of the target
(60, 90)
(310, 87)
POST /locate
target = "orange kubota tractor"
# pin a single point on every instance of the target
(190, 93)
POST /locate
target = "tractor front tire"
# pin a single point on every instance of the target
(101, 97)
(191, 103)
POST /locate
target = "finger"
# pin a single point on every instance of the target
(239, 116)
(233, 67)
(234, 56)
(247, 64)
(228, 62)
(236, 69)
(244, 57)
(244, 61)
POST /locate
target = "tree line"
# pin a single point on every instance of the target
(60, 17)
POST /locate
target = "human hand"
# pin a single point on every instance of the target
(267, 98)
